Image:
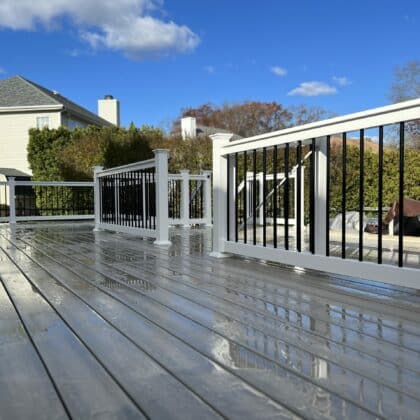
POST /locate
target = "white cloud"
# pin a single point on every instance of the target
(2, 70)
(209, 69)
(313, 89)
(124, 25)
(278, 71)
(341, 81)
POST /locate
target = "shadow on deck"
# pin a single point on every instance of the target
(109, 326)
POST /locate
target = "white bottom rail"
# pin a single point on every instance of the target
(406, 277)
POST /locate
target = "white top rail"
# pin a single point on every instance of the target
(197, 177)
(391, 114)
(145, 164)
(53, 184)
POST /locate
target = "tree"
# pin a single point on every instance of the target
(302, 114)
(406, 85)
(244, 119)
(192, 154)
(252, 118)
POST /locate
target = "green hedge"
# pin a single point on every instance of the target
(70, 155)
(62, 154)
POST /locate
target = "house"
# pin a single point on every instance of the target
(7, 173)
(191, 130)
(25, 105)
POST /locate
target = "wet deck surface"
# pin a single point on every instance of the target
(101, 325)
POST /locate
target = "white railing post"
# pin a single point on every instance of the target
(12, 200)
(207, 197)
(220, 174)
(97, 197)
(320, 196)
(185, 197)
(162, 217)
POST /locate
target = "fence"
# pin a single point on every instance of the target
(134, 198)
(142, 198)
(324, 163)
(40, 201)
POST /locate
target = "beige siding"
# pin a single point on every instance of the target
(14, 137)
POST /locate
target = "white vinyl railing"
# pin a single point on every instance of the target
(23, 201)
(142, 198)
(134, 198)
(235, 233)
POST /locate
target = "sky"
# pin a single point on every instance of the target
(158, 57)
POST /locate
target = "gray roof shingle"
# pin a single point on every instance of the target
(18, 91)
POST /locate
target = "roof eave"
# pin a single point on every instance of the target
(97, 120)
(32, 108)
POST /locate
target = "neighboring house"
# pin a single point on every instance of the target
(191, 130)
(7, 173)
(25, 105)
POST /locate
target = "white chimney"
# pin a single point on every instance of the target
(188, 128)
(109, 109)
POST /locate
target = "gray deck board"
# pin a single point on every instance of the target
(198, 372)
(176, 334)
(86, 389)
(370, 389)
(22, 372)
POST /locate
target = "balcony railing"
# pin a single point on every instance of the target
(290, 196)
(142, 198)
(23, 201)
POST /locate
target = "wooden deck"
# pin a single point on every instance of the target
(101, 325)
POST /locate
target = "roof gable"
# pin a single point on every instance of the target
(18, 91)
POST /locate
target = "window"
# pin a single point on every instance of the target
(42, 122)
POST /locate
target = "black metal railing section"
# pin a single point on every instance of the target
(267, 191)
(129, 199)
(174, 196)
(41, 200)
(273, 196)
(196, 202)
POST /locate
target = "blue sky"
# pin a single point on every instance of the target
(160, 56)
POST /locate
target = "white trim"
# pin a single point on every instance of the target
(34, 108)
(45, 218)
(54, 184)
(193, 177)
(407, 277)
(148, 233)
(145, 164)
